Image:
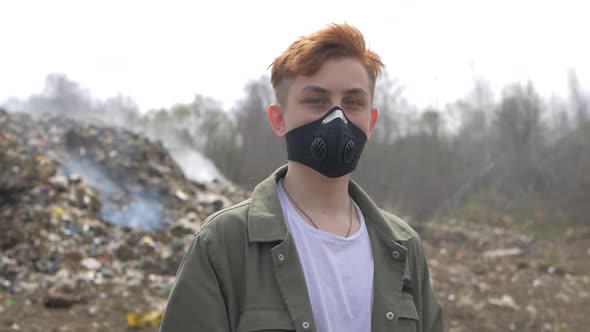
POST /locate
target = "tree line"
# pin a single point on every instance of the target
(483, 156)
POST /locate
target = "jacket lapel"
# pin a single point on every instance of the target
(266, 223)
(389, 257)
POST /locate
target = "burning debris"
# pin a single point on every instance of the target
(137, 182)
(87, 211)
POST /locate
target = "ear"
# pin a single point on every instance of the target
(373, 121)
(276, 115)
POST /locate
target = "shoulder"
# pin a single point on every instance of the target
(399, 227)
(229, 221)
(222, 237)
(411, 240)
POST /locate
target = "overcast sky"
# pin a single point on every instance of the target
(164, 52)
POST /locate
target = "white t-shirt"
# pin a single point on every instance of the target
(338, 272)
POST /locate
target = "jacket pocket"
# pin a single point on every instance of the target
(265, 319)
(408, 315)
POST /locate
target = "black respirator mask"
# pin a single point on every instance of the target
(331, 145)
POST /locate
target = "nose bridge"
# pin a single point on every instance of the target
(337, 114)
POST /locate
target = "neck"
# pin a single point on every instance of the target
(314, 191)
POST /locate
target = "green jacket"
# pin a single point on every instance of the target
(242, 272)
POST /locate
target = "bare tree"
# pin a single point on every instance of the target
(580, 101)
(260, 151)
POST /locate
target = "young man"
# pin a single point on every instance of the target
(310, 251)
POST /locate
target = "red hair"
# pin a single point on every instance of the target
(307, 54)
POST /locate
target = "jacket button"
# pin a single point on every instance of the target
(395, 254)
(389, 315)
(281, 257)
(305, 325)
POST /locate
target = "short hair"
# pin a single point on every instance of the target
(307, 54)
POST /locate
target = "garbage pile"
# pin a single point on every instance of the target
(89, 211)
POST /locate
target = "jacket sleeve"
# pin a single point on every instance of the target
(431, 318)
(196, 302)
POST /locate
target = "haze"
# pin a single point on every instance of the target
(164, 52)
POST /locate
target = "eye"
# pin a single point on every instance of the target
(314, 101)
(352, 103)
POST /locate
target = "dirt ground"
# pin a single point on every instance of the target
(487, 279)
(494, 279)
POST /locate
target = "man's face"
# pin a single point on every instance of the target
(339, 82)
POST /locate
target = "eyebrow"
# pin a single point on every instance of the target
(318, 89)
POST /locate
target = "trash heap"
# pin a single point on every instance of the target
(89, 213)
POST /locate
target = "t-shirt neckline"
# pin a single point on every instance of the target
(292, 211)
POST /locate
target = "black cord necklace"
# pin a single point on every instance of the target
(310, 219)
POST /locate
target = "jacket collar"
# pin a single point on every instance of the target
(266, 222)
